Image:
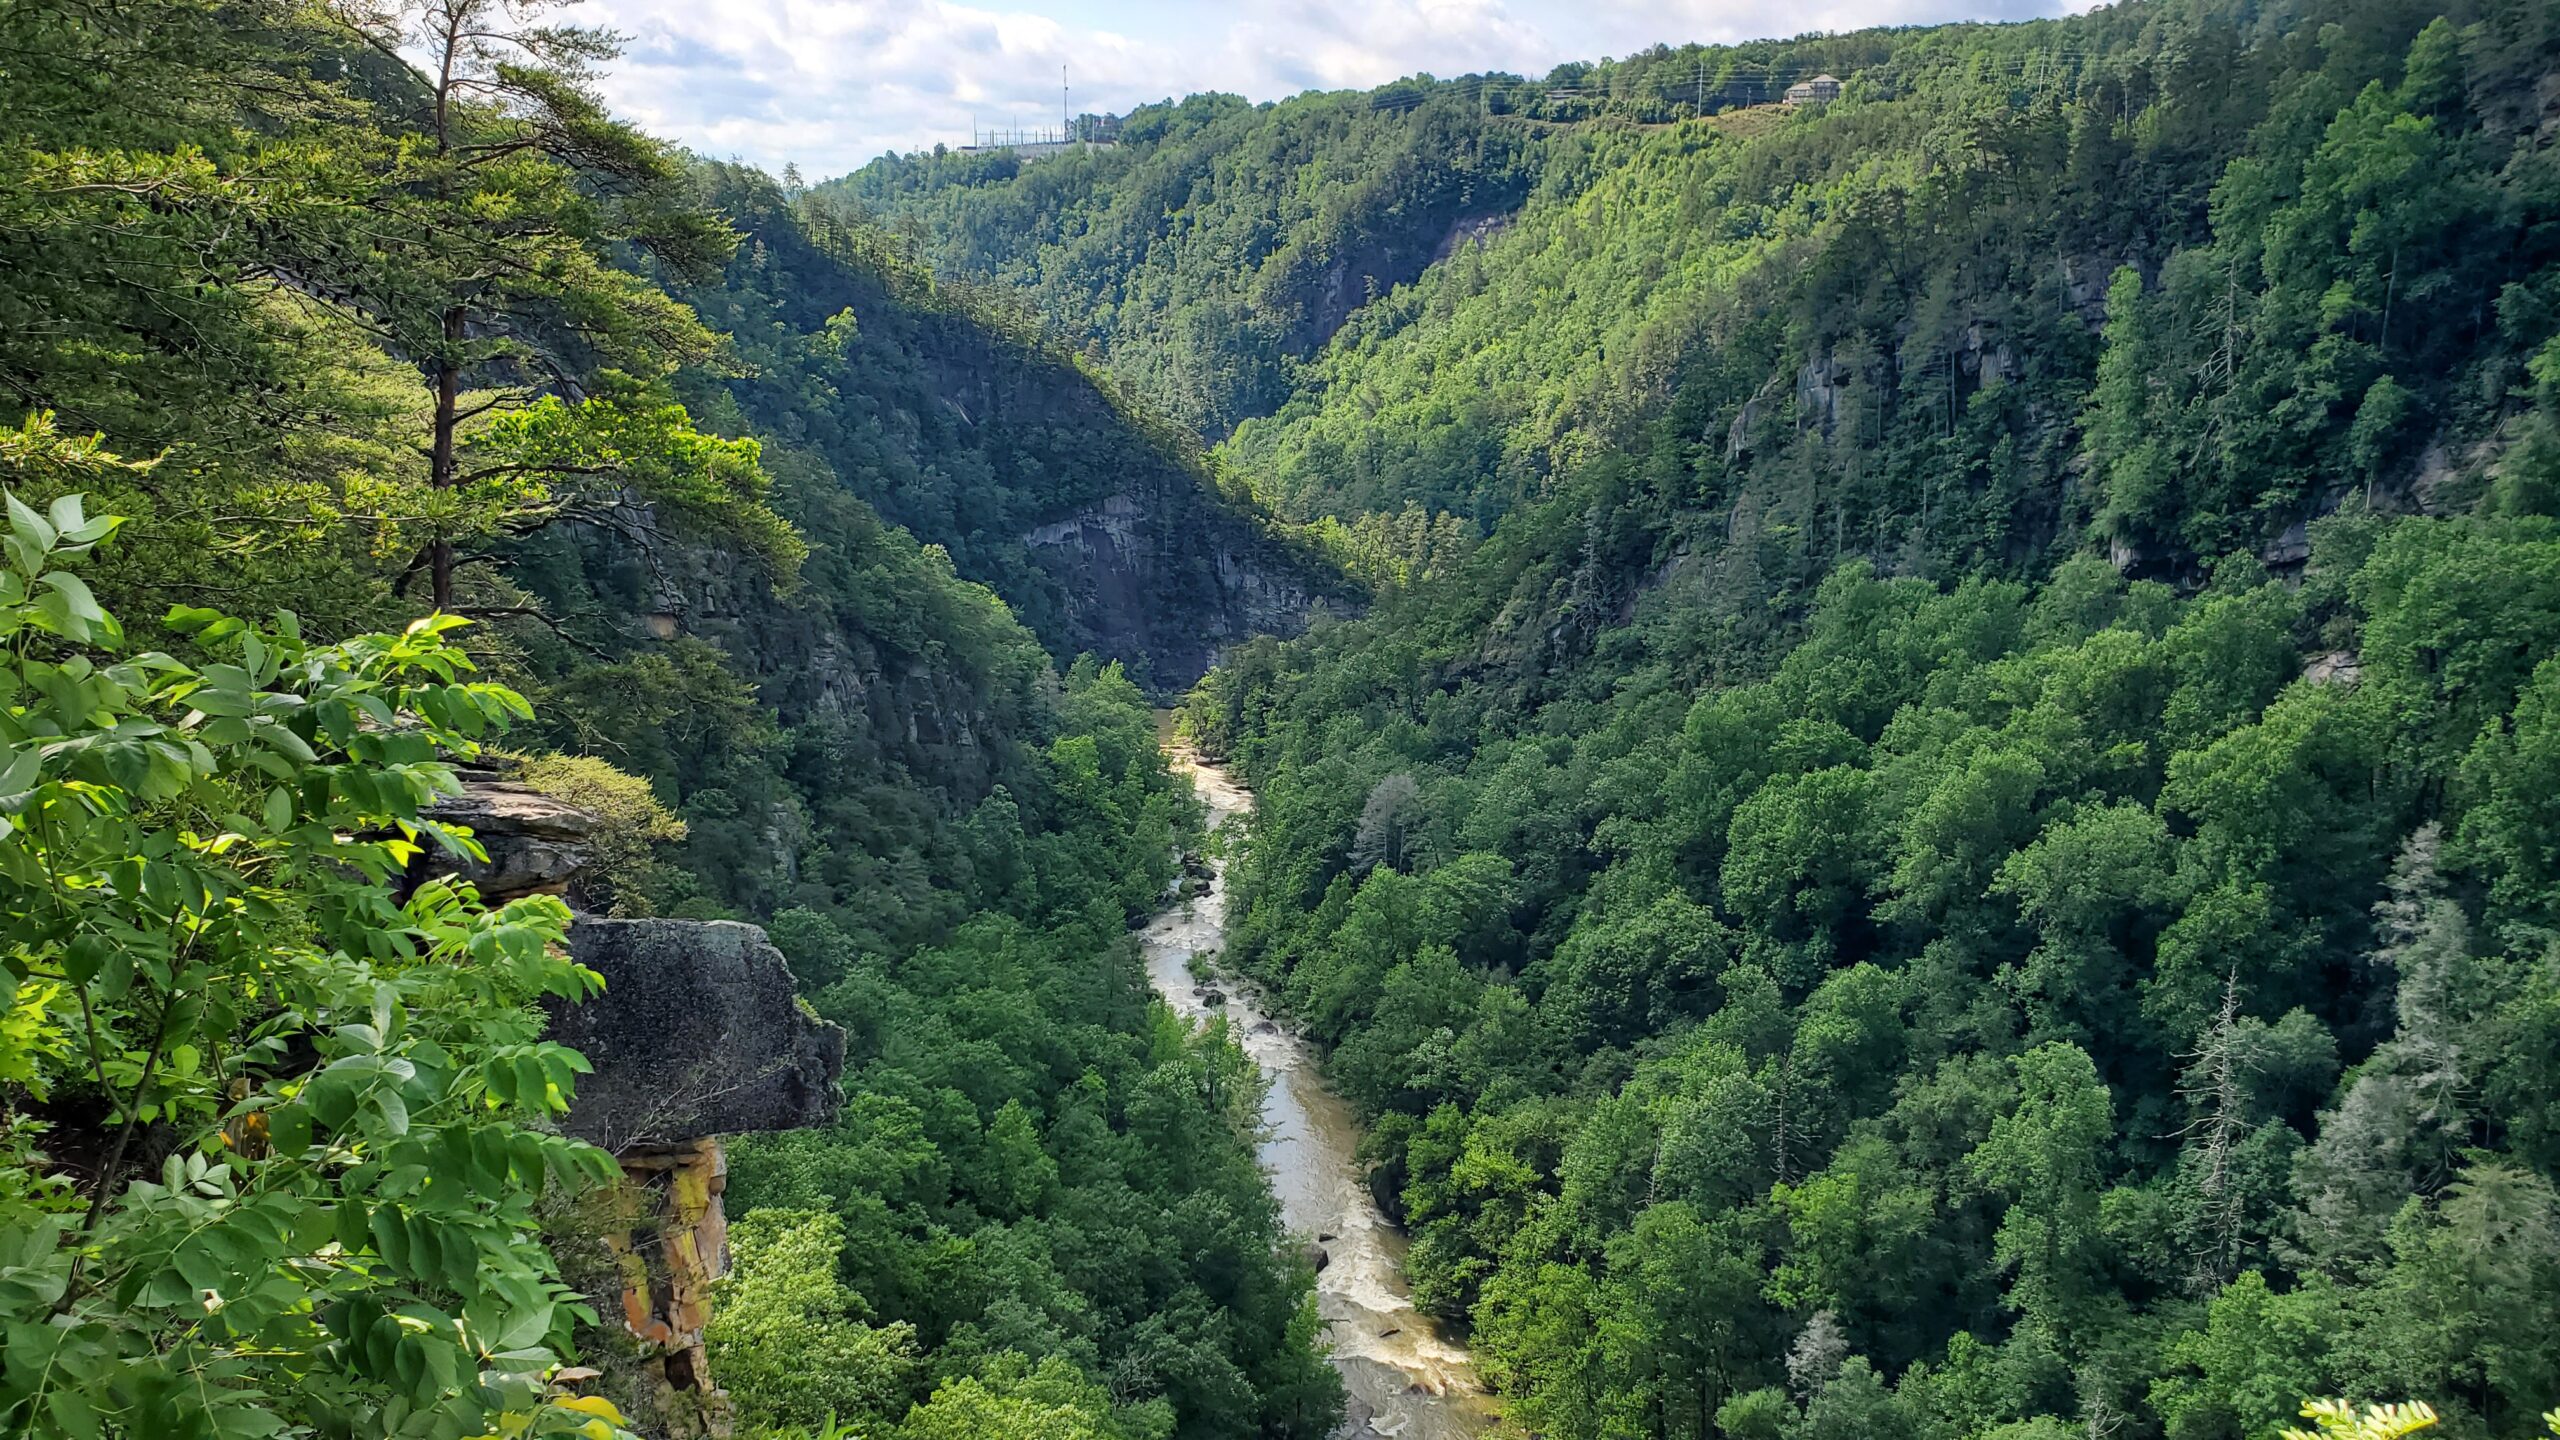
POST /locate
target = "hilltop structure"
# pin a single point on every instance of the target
(1821, 89)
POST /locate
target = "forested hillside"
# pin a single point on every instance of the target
(1945, 821)
(1971, 852)
(945, 410)
(492, 418)
(1217, 244)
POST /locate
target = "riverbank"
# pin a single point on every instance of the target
(1404, 1379)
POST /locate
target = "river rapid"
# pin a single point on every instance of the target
(1403, 1378)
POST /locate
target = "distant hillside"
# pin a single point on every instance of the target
(938, 407)
(1218, 244)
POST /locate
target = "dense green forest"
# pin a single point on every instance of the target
(1954, 835)
(1945, 820)
(1217, 244)
(946, 410)
(518, 438)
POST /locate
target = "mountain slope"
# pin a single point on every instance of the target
(1216, 244)
(1095, 522)
(1956, 862)
(325, 363)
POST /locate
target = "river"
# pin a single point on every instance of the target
(1403, 1378)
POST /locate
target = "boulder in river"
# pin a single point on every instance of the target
(1315, 1257)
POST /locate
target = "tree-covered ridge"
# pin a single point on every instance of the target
(1217, 243)
(1859, 303)
(942, 407)
(1896, 892)
(338, 340)
(2023, 1002)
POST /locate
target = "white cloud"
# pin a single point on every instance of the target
(832, 83)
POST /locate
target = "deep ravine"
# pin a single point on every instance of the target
(1404, 1379)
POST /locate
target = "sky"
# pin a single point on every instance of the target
(829, 84)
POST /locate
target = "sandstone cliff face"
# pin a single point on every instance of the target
(698, 1034)
(1092, 519)
(1115, 544)
(817, 661)
(1371, 258)
(536, 845)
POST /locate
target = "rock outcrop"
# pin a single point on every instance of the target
(699, 1032)
(1170, 576)
(536, 845)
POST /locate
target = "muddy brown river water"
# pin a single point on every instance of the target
(1404, 1379)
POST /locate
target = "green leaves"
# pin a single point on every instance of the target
(34, 1269)
(342, 1083)
(556, 455)
(541, 1077)
(36, 597)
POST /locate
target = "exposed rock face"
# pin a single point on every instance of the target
(2085, 279)
(1320, 286)
(2291, 548)
(698, 1033)
(1126, 563)
(677, 1246)
(536, 844)
(1818, 386)
(1105, 535)
(1986, 359)
(1481, 229)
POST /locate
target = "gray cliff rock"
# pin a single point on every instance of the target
(1170, 577)
(698, 1033)
(536, 844)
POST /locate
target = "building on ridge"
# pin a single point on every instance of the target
(1821, 89)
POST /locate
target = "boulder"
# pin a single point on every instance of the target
(536, 844)
(698, 1033)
